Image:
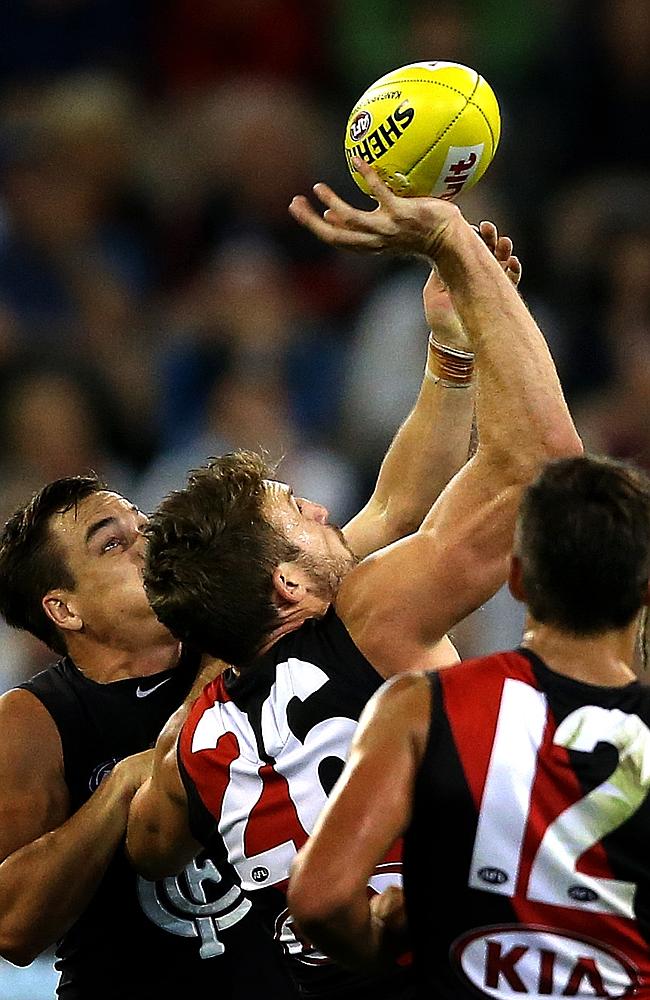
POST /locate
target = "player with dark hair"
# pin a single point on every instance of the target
(74, 750)
(71, 574)
(520, 780)
(251, 573)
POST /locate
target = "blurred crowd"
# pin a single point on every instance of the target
(159, 305)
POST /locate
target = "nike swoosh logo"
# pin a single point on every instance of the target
(144, 693)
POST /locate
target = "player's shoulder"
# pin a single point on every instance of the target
(403, 696)
(22, 706)
(320, 643)
(59, 676)
(402, 687)
(510, 662)
(27, 729)
(313, 634)
(327, 642)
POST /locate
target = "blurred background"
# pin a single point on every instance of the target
(158, 304)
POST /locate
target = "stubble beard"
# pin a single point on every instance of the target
(327, 572)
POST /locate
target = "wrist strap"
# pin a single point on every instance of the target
(452, 368)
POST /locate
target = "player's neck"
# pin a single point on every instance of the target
(105, 664)
(293, 619)
(604, 659)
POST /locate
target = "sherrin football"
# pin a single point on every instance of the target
(429, 128)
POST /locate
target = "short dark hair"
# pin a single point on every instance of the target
(583, 538)
(210, 559)
(31, 561)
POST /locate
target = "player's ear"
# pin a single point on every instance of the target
(289, 583)
(60, 607)
(515, 580)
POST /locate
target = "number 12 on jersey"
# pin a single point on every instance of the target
(506, 804)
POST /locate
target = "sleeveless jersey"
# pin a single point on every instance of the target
(193, 935)
(259, 754)
(527, 861)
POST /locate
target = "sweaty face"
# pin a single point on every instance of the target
(103, 544)
(325, 553)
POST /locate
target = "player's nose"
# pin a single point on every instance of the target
(315, 511)
(139, 546)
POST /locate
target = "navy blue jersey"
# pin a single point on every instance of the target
(193, 935)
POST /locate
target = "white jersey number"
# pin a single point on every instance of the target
(297, 761)
(554, 877)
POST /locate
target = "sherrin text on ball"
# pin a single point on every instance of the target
(429, 128)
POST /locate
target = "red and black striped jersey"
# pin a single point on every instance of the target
(527, 861)
(259, 754)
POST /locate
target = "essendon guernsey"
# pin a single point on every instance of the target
(527, 862)
(259, 754)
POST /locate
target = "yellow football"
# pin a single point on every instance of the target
(429, 128)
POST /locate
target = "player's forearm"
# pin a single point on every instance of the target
(157, 841)
(153, 853)
(521, 411)
(46, 885)
(429, 448)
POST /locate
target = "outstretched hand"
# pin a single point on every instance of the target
(398, 225)
(402, 226)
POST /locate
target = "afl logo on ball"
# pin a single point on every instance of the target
(360, 125)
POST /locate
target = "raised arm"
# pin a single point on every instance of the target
(397, 603)
(52, 863)
(432, 443)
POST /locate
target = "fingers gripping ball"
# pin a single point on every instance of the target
(430, 128)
